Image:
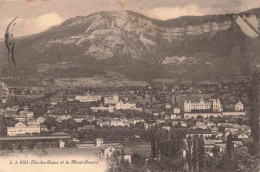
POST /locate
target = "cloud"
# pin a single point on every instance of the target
(35, 25)
(165, 13)
(38, 15)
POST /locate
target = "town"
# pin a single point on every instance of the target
(133, 127)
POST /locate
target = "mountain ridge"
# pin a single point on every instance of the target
(120, 40)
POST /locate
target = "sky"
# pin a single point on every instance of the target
(35, 16)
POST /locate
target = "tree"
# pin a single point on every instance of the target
(239, 121)
(153, 144)
(188, 154)
(6, 122)
(201, 154)
(50, 122)
(230, 145)
(195, 153)
(254, 117)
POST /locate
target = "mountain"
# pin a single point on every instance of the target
(139, 47)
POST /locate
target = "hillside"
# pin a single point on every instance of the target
(139, 47)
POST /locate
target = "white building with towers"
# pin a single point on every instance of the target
(213, 105)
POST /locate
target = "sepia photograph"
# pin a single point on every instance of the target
(129, 85)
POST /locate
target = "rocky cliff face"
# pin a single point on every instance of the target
(124, 41)
(109, 34)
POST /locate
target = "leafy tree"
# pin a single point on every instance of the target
(6, 122)
(239, 121)
(50, 122)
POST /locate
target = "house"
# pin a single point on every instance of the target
(242, 135)
(63, 117)
(99, 142)
(40, 120)
(221, 147)
(204, 133)
(239, 106)
(181, 123)
(112, 99)
(56, 99)
(237, 144)
(110, 109)
(227, 133)
(168, 106)
(32, 121)
(156, 114)
(214, 129)
(20, 118)
(209, 144)
(210, 124)
(104, 123)
(203, 115)
(237, 113)
(166, 128)
(142, 148)
(26, 113)
(219, 135)
(21, 128)
(147, 126)
(79, 118)
(117, 123)
(175, 116)
(88, 98)
(200, 125)
(137, 120)
(176, 110)
(44, 128)
(108, 151)
(90, 118)
(160, 121)
(128, 155)
(125, 105)
(87, 127)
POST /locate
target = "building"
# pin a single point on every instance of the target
(204, 133)
(110, 109)
(111, 100)
(27, 114)
(128, 155)
(221, 147)
(21, 128)
(239, 106)
(175, 116)
(124, 106)
(237, 113)
(176, 110)
(213, 105)
(88, 98)
(203, 115)
(56, 99)
(180, 123)
(116, 122)
(99, 142)
(137, 120)
(78, 118)
(168, 106)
